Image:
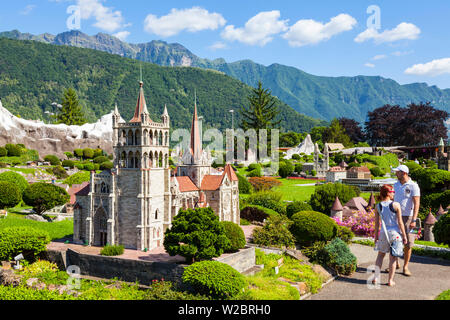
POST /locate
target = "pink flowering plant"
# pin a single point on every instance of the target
(361, 223)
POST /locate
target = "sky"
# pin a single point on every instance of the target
(407, 41)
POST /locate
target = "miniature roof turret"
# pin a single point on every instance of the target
(141, 106)
(343, 164)
(337, 206)
(440, 213)
(372, 201)
(430, 219)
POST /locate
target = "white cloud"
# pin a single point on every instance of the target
(379, 57)
(310, 32)
(218, 45)
(259, 30)
(404, 31)
(27, 10)
(122, 35)
(107, 19)
(431, 69)
(402, 53)
(192, 20)
(369, 65)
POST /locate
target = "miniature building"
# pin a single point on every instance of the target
(354, 204)
(337, 209)
(440, 213)
(335, 174)
(134, 203)
(443, 160)
(358, 173)
(321, 166)
(428, 230)
(372, 202)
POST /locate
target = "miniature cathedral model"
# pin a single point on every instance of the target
(134, 203)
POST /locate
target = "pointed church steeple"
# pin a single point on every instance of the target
(141, 106)
(196, 144)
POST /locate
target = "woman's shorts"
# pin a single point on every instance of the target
(382, 244)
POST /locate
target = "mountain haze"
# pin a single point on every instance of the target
(315, 96)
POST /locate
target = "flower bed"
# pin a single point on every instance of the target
(361, 223)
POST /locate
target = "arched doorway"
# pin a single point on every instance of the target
(100, 227)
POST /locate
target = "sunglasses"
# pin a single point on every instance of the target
(391, 191)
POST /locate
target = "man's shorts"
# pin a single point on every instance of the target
(410, 236)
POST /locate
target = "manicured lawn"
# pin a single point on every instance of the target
(293, 192)
(431, 244)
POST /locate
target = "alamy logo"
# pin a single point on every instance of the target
(74, 20)
(374, 21)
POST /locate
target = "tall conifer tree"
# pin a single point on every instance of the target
(71, 113)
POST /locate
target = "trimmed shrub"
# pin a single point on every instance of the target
(13, 150)
(376, 172)
(98, 153)
(235, 234)
(96, 167)
(79, 166)
(28, 241)
(297, 206)
(339, 257)
(296, 157)
(214, 279)
(59, 172)
(3, 152)
(345, 234)
(298, 167)
(69, 155)
(254, 166)
(78, 178)
(68, 164)
(255, 173)
(196, 234)
(89, 167)
(311, 226)
(54, 160)
(441, 230)
(286, 168)
(324, 195)
(107, 165)
(78, 153)
(245, 187)
(17, 179)
(268, 199)
(10, 195)
(101, 159)
(257, 213)
(88, 153)
(109, 250)
(44, 196)
(275, 233)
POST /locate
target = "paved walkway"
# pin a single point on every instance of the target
(430, 277)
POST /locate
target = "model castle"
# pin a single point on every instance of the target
(134, 203)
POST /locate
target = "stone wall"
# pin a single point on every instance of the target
(242, 260)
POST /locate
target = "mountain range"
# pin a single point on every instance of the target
(34, 76)
(316, 96)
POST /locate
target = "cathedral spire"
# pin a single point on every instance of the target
(141, 106)
(196, 145)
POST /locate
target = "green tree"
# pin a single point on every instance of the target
(196, 234)
(69, 155)
(54, 161)
(78, 153)
(3, 152)
(323, 197)
(10, 195)
(88, 153)
(71, 113)
(286, 168)
(13, 150)
(17, 179)
(44, 196)
(335, 133)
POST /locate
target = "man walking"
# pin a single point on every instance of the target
(407, 193)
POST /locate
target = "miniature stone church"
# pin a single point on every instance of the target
(134, 203)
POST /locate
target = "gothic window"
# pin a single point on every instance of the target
(145, 137)
(137, 160)
(160, 160)
(156, 215)
(123, 160)
(150, 165)
(160, 138)
(130, 138)
(130, 160)
(167, 139)
(137, 138)
(123, 138)
(145, 163)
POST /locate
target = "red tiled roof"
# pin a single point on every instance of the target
(230, 172)
(359, 169)
(357, 203)
(186, 184)
(84, 191)
(140, 106)
(430, 219)
(211, 182)
(337, 169)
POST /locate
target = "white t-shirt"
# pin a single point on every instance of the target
(404, 194)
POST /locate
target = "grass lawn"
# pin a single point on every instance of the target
(431, 244)
(444, 295)
(292, 192)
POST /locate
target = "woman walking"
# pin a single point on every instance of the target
(390, 213)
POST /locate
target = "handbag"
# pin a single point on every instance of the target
(393, 237)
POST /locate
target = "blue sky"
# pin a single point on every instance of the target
(321, 37)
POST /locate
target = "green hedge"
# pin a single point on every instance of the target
(109, 250)
(275, 233)
(297, 206)
(15, 178)
(28, 241)
(235, 234)
(268, 199)
(245, 187)
(257, 213)
(311, 226)
(441, 230)
(214, 279)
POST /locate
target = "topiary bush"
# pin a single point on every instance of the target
(45, 196)
(324, 195)
(376, 172)
(311, 226)
(215, 279)
(3, 152)
(441, 230)
(101, 159)
(28, 241)
(256, 213)
(13, 150)
(235, 234)
(17, 179)
(339, 257)
(275, 233)
(109, 250)
(286, 168)
(10, 195)
(244, 186)
(297, 206)
(268, 199)
(54, 160)
(196, 234)
(107, 165)
(89, 167)
(68, 164)
(59, 172)
(78, 178)
(345, 234)
(88, 153)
